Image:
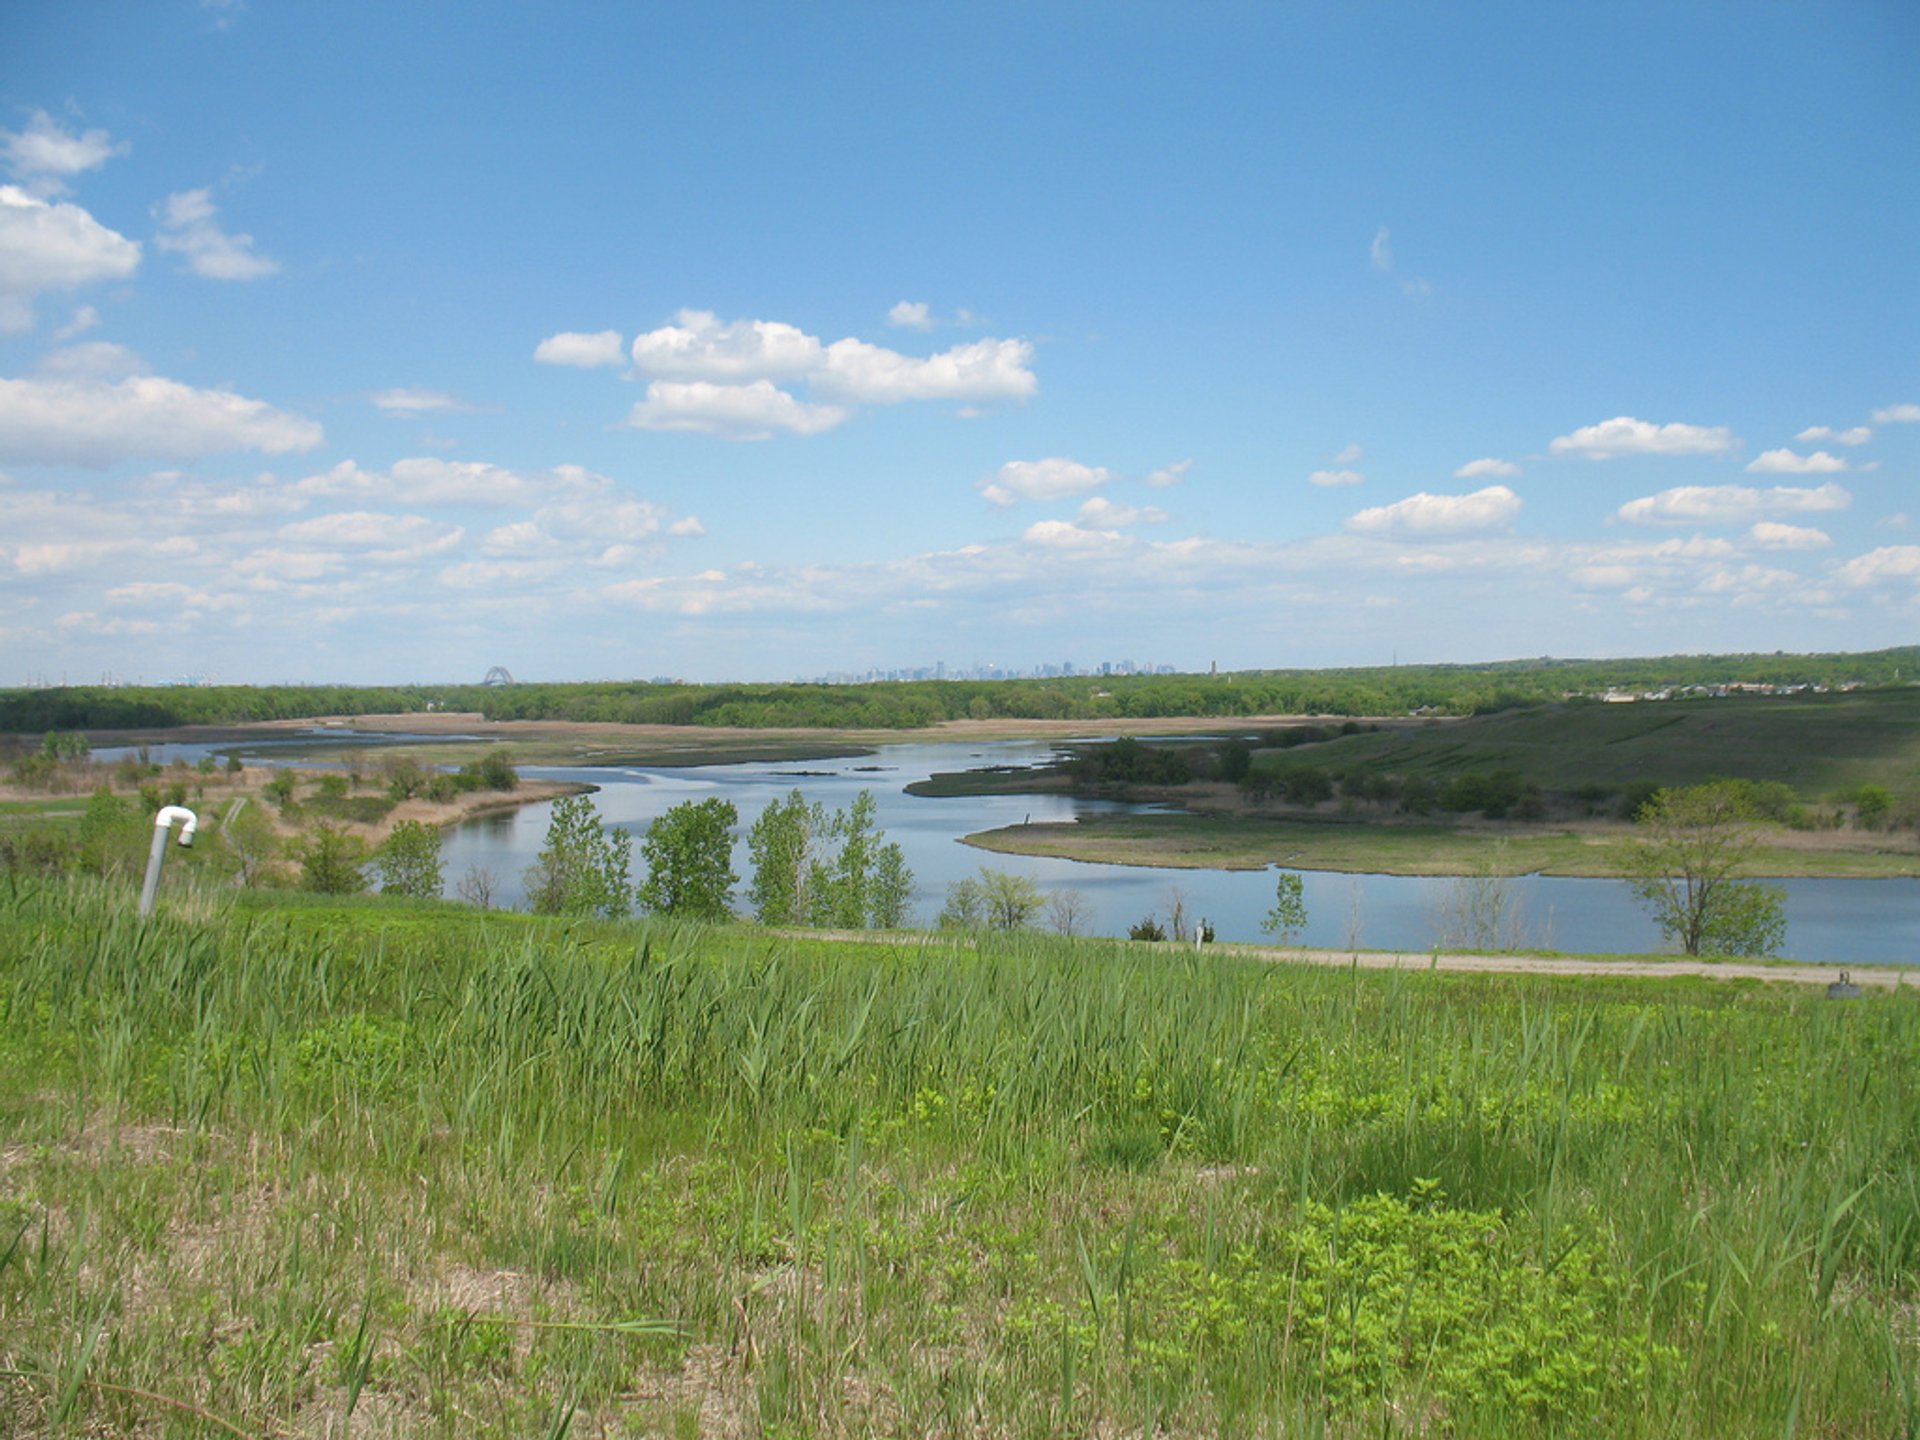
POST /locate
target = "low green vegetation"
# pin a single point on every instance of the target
(306, 1166)
(1377, 690)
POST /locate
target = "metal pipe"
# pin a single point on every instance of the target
(162, 823)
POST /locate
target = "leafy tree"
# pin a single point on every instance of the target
(1692, 844)
(994, 900)
(584, 868)
(1288, 917)
(781, 845)
(689, 854)
(1148, 929)
(812, 869)
(65, 745)
(1871, 805)
(333, 862)
(409, 861)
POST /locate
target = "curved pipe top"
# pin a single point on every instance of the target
(170, 813)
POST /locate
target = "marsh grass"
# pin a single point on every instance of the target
(333, 1169)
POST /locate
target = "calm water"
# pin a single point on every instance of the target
(1860, 922)
(1852, 921)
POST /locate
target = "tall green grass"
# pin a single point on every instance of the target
(367, 1169)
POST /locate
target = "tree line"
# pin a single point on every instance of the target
(910, 704)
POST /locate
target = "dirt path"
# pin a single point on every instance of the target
(1875, 976)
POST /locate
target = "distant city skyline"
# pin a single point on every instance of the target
(369, 343)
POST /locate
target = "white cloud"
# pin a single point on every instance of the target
(189, 227)
(910, 315)
(52, 247)
(1168, 475)
(1381, 250)
(1731, 504)
(1787, 462)
(1889, 562)
(144, 417)
(1331, 478)
(365, 529)
(571, 347)
(1100, 511)
(1349, 456)
(1858, 435)
(1897, 415)
(1064, 535)
(44, 154)
(1050, 479)
(430, 480)
(1624, 435)
(85, 318)
(1486, 468)
(699, 347)
(92, 360)
(1772, 535)
(737, 412)
(1433, 515)
(406, 404)
(982, 370)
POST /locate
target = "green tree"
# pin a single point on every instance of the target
(781, 845)
(1288, 917)
(584, 868)
(332, 862)
(1692, 844)
(813, 869)
(409, 861)
(113, 836)
(992, 900)
(689, 854)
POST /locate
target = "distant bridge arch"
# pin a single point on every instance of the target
(498, 676)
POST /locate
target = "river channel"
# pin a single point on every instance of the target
(1852, 921)
(1859, 922)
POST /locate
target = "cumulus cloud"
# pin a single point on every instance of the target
(1624, 435)
(1065, 535)
(430, 480)
(1897, 415)
(44, 154)
(1349, 456)
(1168, 475)
(85, 318)
(753, 356)
(1487, 468)
(982, 370)
(405, 404)
(1440, 515)
(1889, 562)
(1731, 504)
(911, 315)
(571, 347)
(1772, 535)
(1050, 479)
(699, 347)
(1332, 478)
(1788, 462)
(737, 412)
(144, 417)
(1102, 512)
(1857, 435)
(53, 246)
(189, 226)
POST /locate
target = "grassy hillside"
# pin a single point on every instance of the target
(1820, 745)
(331, 1168)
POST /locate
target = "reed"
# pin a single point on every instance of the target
(363, 1168)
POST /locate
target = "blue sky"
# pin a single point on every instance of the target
(383, 343)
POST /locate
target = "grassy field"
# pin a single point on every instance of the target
(1253, 842)
(356, 1168)
(1818, 744)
